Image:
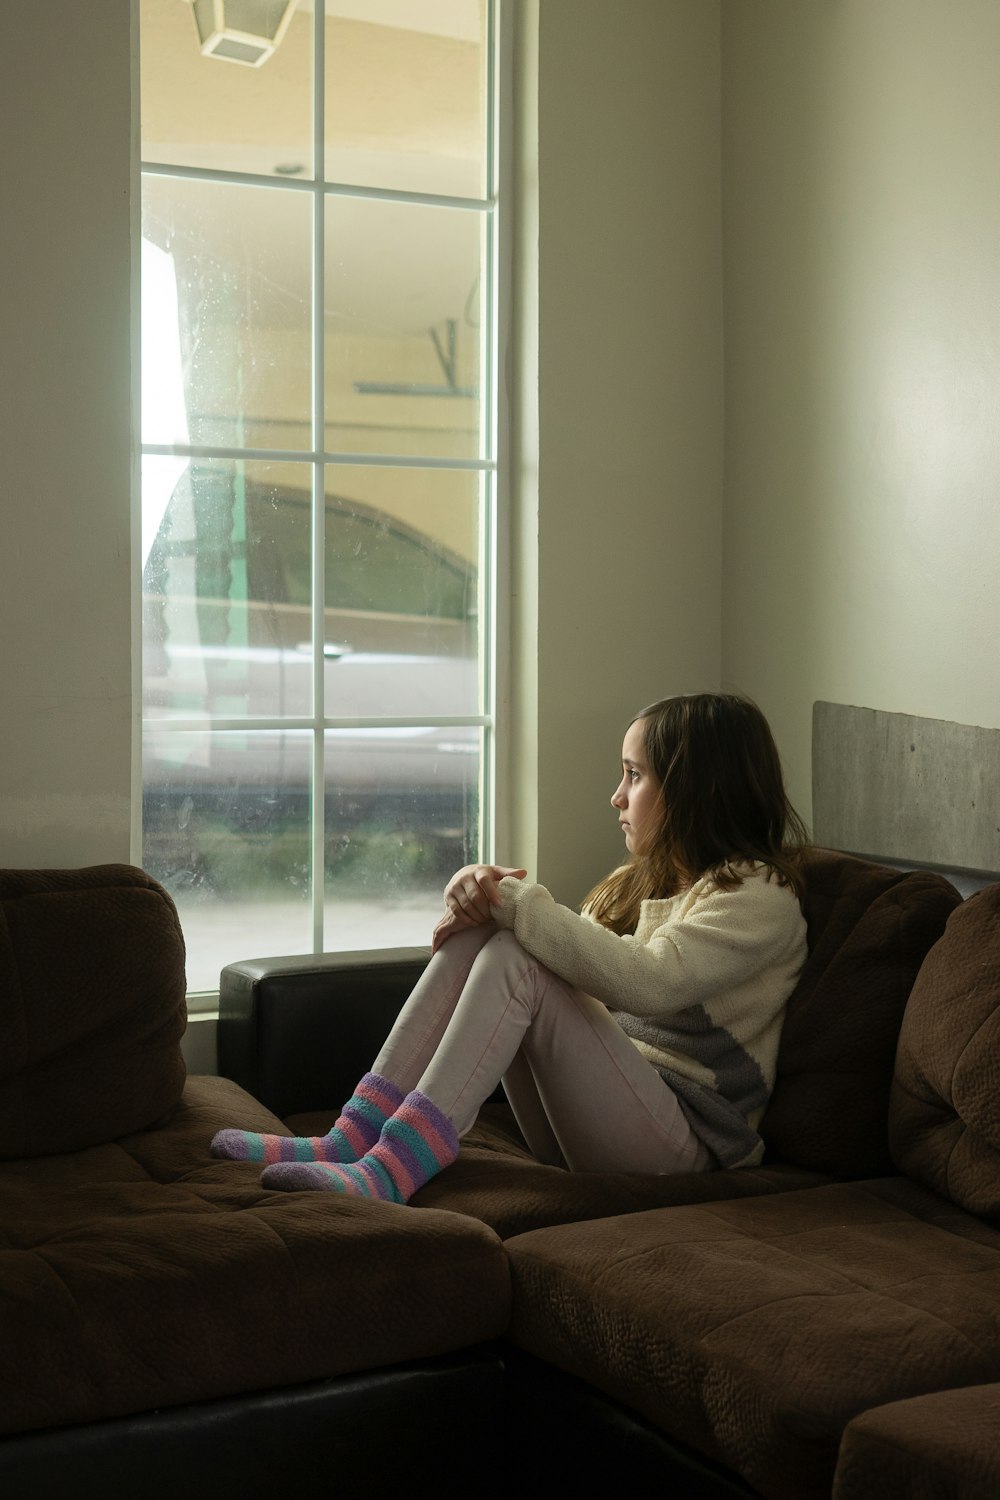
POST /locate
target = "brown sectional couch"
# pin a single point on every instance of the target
(728, 1333)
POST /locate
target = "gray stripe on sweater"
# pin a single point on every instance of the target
(718, 1116)
(716, 1122)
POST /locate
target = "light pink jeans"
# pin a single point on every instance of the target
(584, 1097)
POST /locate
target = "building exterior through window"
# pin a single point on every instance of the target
(319, 470)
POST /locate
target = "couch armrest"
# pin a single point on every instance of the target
(299, 1032)
(941, 1446)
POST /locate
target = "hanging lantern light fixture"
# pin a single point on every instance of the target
(241, 31)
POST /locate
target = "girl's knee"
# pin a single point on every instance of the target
(502, 946)
(468, 940)
(504, 959)
(510, 964)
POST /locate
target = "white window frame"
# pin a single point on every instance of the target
(491, 463)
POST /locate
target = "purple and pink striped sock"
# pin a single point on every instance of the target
(416, 1143)
(356, 1131)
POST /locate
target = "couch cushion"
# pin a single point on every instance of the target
(940, 1447)
(91, 1007)
(756, 1330)
(869, 929)
(497, 1180)
(143, 1273)
(945, 1113)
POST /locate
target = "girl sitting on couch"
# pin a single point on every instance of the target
(639, 1036)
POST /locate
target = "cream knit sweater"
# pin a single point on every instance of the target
(700, 989)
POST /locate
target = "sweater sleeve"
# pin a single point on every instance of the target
(722, 938)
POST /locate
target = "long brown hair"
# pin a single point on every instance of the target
(723, 804)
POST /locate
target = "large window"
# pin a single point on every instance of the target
(319, 465)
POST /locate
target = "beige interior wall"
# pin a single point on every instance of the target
(862, 260)
(65, 435)
(620, 477)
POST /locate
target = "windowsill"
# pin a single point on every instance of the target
(198, 1043)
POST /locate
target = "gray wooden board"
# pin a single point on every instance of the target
(905, 787)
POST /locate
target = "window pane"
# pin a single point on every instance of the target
(403, 329)
(240, 260)
(402, 553)
(402, 814)
(406, 95)
(226, 830)
(226, 589)
(207, 111)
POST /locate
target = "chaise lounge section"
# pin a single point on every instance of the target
(166, 1322)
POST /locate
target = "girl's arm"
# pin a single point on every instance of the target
(721, 939)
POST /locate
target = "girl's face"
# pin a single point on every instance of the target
(638, 796)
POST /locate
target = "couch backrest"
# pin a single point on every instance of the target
(91, 1007)
(944, 1119)
(869, 929)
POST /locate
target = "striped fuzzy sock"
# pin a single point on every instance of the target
(355, 1132)
(415, 1144)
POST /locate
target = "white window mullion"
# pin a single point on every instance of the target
(179, 725)
(318, 830)
(298, 455)
(500, 138)
(135, 315)
(487, 451)
(305, 185)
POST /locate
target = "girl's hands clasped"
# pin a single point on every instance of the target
(470, 896)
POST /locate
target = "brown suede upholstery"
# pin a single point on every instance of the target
(756, 1330)
(142, 1273)
(91, 1007)
(869, 929)
(945, 1115)
(497, 1180)
(136, 1272)
(940, 1447)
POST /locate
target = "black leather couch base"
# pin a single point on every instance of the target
(584, 1443)
(429, 1428)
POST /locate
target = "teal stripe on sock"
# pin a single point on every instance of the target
(382, 1186)
(350, 1173)
(363, 1109)
(345, 1150)
(255, 1147)
(413, 1141)
(303, 1149)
